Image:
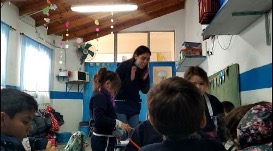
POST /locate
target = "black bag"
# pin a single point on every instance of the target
(58, 117)
(37, 143)
(40, 124)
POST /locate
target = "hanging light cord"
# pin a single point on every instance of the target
(228, 43)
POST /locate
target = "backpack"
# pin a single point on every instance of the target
(40, 124)
(77, 142)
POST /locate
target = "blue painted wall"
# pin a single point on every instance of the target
(257, 78)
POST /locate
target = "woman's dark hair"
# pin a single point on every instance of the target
(196, 71)
(139, 51)
(103, 75)
(235, 116)
(14, 101)
(175, 108)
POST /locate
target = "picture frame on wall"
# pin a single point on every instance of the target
(159, 71)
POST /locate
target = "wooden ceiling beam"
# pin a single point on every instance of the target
(135, 21)
(106, 25)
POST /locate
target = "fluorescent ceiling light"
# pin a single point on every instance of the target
(104, 8)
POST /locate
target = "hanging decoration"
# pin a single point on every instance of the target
(66, 45)
(220, 78)
(79, 40)
(46, 12)
(97, 22)
(112, 21)
(61, 57)
(61, 44)
(66, 25)
(97, 29)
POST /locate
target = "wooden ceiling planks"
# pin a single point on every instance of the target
(82, 24)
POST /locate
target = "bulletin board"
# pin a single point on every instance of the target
(225, 85)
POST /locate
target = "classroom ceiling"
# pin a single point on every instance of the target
(83, 24)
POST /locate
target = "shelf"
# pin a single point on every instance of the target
(76, 82)
(71, 83)
(63, 77)
(188, 61)
(236, 15)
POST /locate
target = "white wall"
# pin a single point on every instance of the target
(248, 49)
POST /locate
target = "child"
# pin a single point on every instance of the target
(228, 107)
(214, 110)
(250, 127)
(143, 134)
(104, 120)
(176, 110)
(17, 112)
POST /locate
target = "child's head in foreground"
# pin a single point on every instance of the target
(17, 111)
(228, 107)
(176, 108)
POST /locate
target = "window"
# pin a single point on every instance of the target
(104, 49)
(4, 49)
(35, 69)
(162, 45)
(128, 42)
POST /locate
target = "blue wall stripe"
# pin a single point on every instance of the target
(257, 78)
(65, 95)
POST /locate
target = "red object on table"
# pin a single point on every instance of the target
(53, 141)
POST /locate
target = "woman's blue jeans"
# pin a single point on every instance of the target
(132, 120)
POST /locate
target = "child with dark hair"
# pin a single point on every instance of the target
(213, 107)
(176, 110)
(17, 112)
(134, 73)
(228, 107)
(143, 135)
(250, 127)
(104, 120)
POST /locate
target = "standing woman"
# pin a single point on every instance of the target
(214, 110)
(134, 75)
(102, 111)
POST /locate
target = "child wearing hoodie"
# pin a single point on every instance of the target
(250, 127)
